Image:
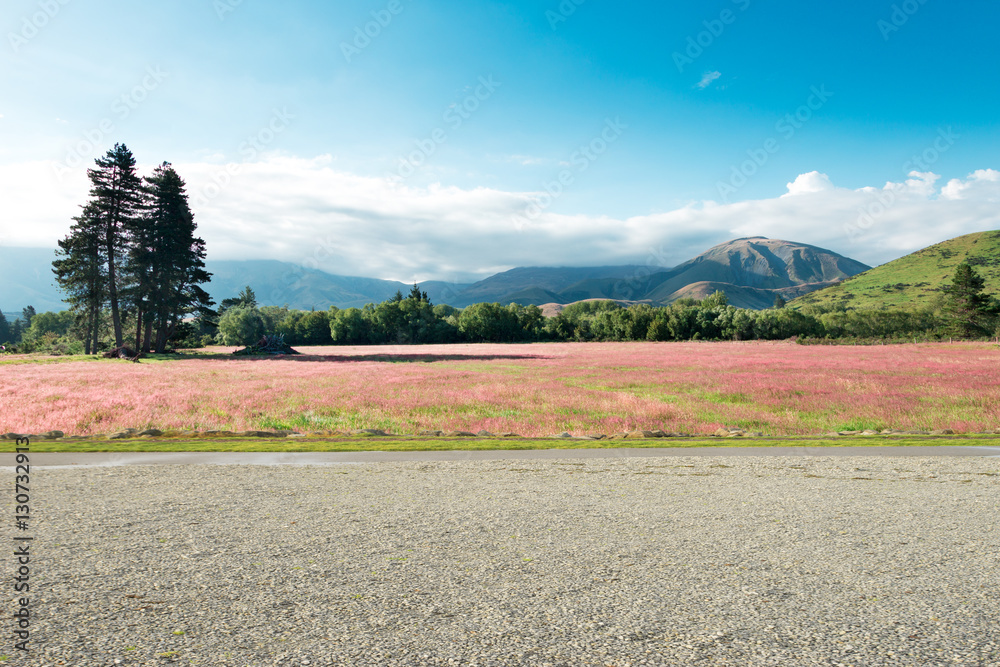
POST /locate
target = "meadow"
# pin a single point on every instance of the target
(530, 389)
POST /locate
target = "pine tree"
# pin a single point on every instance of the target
(80, 272)
(247, 298)
(117, 194)
(4, 329)
(27, 314)
(170, 258)
(417, 295)
(968, 307)
(139, 270)
(134, 248)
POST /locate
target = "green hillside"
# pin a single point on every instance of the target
(914, 281)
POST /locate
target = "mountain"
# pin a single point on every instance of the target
(744, 297)
(439, 292)
(750, 271)
(279, 283)
(26, 278)
(537, 285)
(914, 281)
(765, 266)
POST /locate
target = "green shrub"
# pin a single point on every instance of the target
(241, 326)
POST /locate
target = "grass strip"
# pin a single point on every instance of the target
(416, 444)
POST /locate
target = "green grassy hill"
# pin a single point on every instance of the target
(914, 281)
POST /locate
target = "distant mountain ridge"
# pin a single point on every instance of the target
(761, 263)
(279, 283)
(538, 285)
(754, 271)
(751, 271)
(26, 278)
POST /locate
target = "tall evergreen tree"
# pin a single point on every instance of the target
(80, 272)
(27, 314)
(143, 265)
(4, 329)
(134, 248)
(117, 195)
(968, 307)
(168, 259)
(247, 298)
(417, 295)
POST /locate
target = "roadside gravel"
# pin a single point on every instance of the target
(672, 561)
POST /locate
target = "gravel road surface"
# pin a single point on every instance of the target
(608, 561)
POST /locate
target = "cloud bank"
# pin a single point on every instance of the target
(306, 212)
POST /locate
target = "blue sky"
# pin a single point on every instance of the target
(448, 127)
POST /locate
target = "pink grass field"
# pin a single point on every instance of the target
(534, 390)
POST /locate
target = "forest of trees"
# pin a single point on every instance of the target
(967, 313)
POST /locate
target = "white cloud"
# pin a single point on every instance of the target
(307, 212)
(524, 160)
(707, 79)
(36, 205)
(985, 183)
(809, 183)
(215, 158)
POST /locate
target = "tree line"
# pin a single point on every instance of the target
(967, 312)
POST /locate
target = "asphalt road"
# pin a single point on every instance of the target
(104, 459)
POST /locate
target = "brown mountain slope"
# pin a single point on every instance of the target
(745, 297)
(757, 263)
